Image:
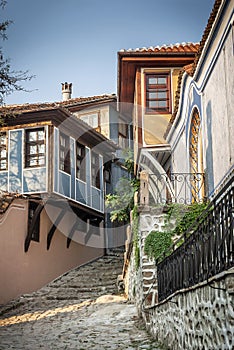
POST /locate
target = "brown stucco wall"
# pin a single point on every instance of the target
(22, 272)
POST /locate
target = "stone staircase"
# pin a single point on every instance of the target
(83, 283)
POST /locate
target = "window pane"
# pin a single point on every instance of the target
(85, 119)
(152, 104)
(3, 153)
(33, 149)
(162, 104)
(94, 120)
(32, 161)
(3, 139)
(152, 81)
(3, 164)
(161, 94)
(162, 81)
(152, 95)
(41, 160)
(40, 135)
(41, 148)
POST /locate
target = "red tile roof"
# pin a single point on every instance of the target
(31, 107)
(206, 32)
(172, 48)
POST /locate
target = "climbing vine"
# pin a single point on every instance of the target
(179, 216)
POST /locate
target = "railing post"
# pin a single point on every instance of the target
(144, 188)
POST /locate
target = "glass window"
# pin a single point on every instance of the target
(35, 147)
(64, 153)
(3, 151)
(95, 170)
(158, 93)
(123, 134)
(91, 119)
(80, 162)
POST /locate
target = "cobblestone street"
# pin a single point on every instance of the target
(62, 316)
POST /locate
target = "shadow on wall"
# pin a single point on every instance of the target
(209, 151)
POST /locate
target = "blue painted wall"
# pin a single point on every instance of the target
(17, 178)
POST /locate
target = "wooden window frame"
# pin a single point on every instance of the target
(64, 153)
(95, 170)
(157, 88)
(31, 210)
(88, 115)
(3, 147)
(35, 143)
(80, 162)
(123, 137)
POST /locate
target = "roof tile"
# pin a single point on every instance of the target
(178, 47)
(31, 107)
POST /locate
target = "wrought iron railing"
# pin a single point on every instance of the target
(183, 188)
(206, 252)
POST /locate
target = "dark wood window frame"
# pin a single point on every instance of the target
(95, 170)
(3, 151)
(158, 92)
(64, 153)
(35, 148)
(80, 162)
(123, 134)
(31, 211)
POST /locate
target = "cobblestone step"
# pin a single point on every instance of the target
(79, 310)
(88, 281)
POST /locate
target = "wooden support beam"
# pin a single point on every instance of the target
(71, 233)
(54, 227)
(34, 223)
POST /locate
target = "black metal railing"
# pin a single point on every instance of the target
(183, 188)
(206, 252)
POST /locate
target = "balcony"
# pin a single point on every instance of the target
(182, 188)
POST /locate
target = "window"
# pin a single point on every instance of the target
(123, 133)
(92, 119)
(64, 153)
(31, 211)
(3, 151)
(158, 93)
(35, 147)
(95, 171)
(80, 162)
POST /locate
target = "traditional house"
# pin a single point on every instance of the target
(181, 100)
(52, 164)
(148, 80)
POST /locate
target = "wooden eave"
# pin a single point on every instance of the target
(129, 62)
(79, 107)
(68, 122)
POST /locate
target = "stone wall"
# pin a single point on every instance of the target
(199, 318)
(202, 318)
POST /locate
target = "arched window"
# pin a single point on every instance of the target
(195, 157)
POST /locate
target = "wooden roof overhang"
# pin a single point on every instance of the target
(129, 62)
(61, 117)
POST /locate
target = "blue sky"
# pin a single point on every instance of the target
(78, 40)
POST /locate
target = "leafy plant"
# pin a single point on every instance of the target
(121, 202)
(157, 242)
(183, 217)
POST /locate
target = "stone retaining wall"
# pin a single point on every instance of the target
(199, 318)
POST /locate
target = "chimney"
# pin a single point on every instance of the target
(66, 91)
